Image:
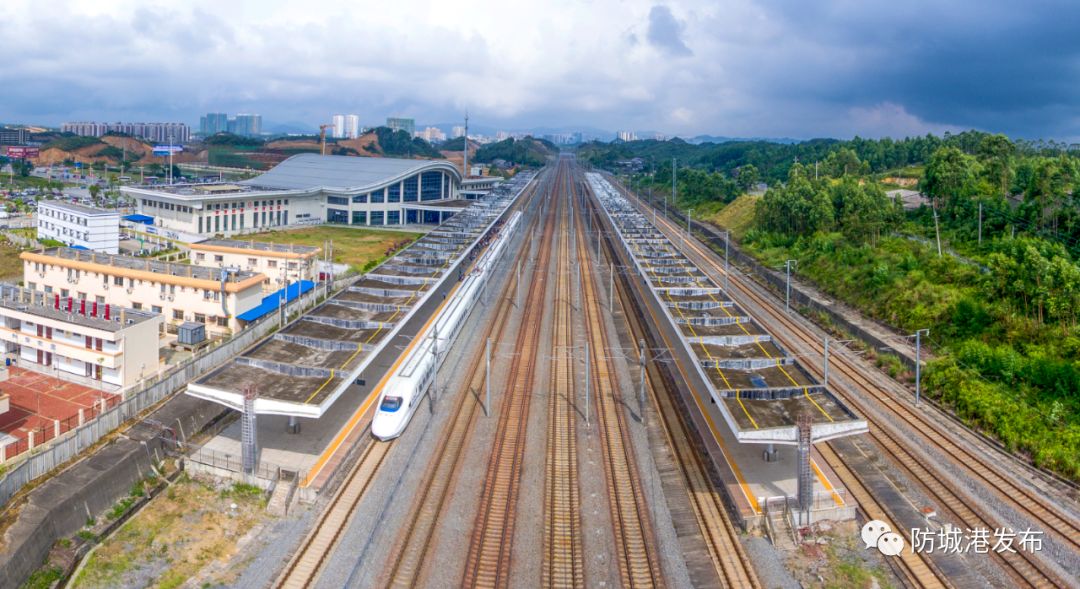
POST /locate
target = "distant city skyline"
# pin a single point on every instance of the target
(745, 68)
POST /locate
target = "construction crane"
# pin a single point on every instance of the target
(322, 138)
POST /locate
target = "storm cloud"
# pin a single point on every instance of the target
(734, 67)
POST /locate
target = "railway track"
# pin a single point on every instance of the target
(639, 565)
(306, 564)
(719, 533)
(563, 562)
(304, 567)
(408, 557)
(488, 561)
(1022, 567)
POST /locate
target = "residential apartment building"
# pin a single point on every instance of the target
(79, 226)
(277, 261)
(179, 292)
(157, 132)
(213, 122)
(246, 125)
(114, 345)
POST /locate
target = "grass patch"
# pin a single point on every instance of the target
(43, 578)
(738, 216)
(354, 246)
(11, 266)
(183, 530)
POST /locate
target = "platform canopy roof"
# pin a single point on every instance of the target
(346, 174)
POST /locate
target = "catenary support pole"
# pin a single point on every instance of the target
(641, 378)
(918, 363)
(587, 384)
(487, 380)
(826, 361)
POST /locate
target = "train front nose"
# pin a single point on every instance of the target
(389, 419)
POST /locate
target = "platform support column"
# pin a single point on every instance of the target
(770, 453)
(249, 446)
(804, 474)
(294, 425)
(641, 378)
(487, 379)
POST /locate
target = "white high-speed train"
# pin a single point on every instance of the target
(406, 388)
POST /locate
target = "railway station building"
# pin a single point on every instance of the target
(309, 189)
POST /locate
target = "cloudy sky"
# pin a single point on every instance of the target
(774, 68)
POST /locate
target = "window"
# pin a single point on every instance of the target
(337, 216)
(393, 218)
(393, 193)
(100, 300)
(200, 318)
(359, 218)
(411, 189)
(377, 196)
(156, 308)
(178, 314)
(337, 200)
(360, 198)
(431, 186)
(376, 217)
(200, 257)
(218, 258)
(136, 306)
(31, 285)
(252, 262)
(64, 293)
(271, 263)
(222, 322)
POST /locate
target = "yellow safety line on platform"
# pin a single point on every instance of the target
(825, 483)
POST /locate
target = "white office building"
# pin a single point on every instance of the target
(79, 226)
(346, 126)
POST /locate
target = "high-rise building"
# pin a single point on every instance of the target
(457, 131)
(432, 135)
(346, 126)
(400, 124)
(213, 122)
(627, 136)
(13, 136)
(157, 132)
(352, 126)
(246, 125)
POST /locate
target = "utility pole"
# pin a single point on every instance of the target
(673, 181)
(586, 384)
(826, 361)
(487, 380)
(641, 378)
(611, 287)
(918, 363)
(980, 223)
(727, 265)
(787, 290)
(937, 233)
(689, 214)
(465, 149)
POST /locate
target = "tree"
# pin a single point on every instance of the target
(996, 152)
(949, 177)
(95, 190)
(747, 176)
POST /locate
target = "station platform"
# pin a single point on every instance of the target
(312, 447)
(741, 389)
(305, 367)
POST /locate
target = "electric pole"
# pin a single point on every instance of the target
(787, 289)
(918, 363)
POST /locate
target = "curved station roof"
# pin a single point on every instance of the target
(758, 387)
(344, 174)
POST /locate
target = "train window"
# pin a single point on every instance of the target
(390, 404)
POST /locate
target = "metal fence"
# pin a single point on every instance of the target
(267, 472)
(54, 450)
